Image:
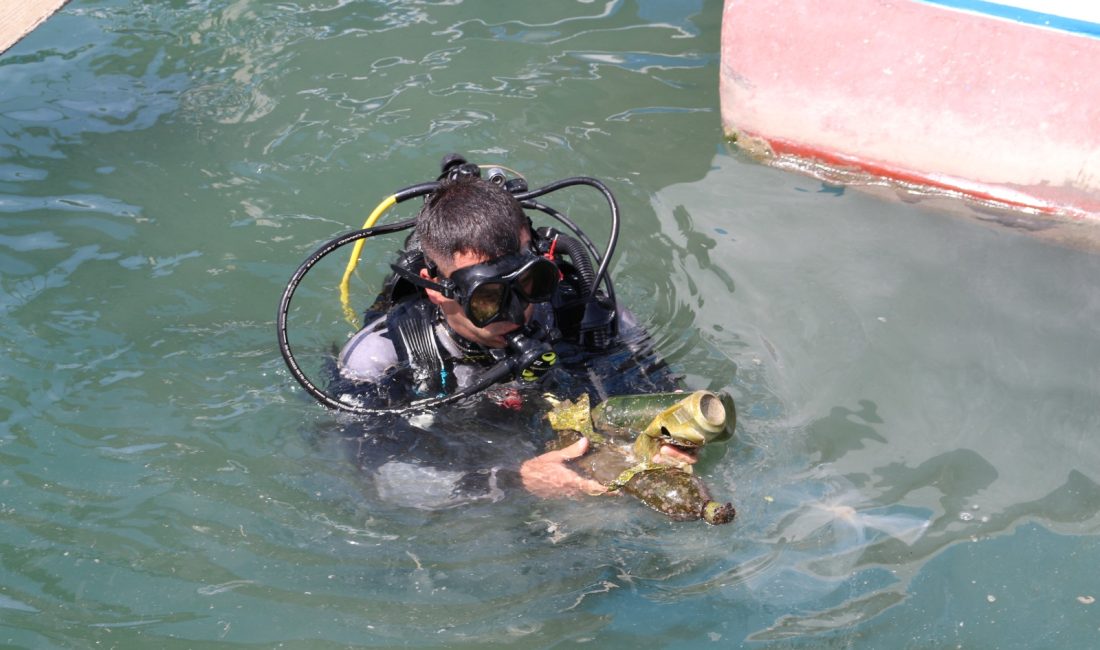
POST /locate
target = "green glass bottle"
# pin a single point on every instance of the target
(691, 419)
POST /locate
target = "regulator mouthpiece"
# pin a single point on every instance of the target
(531, 353)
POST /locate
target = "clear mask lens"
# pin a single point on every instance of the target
(537, 282)
(486, 301)
(504, 296)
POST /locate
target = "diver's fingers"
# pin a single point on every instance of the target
(548, 476)
(594, 488)
(575, 450)
(669, 455)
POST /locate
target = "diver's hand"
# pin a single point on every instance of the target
(547, 476)
(669, 455)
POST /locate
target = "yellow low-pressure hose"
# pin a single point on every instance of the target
(386, 204)
(345, 298)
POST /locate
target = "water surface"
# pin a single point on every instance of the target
(916, 458)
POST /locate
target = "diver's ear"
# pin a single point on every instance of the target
(433, 295)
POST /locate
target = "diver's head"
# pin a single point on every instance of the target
(473, 216)
(477, 245)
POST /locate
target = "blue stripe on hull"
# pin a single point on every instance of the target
(1019, 15)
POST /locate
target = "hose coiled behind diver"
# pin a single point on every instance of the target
(521, 348)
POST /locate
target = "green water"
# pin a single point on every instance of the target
(916, 462)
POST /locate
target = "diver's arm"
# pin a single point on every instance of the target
(547, 476)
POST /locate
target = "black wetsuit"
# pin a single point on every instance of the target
(471, 450)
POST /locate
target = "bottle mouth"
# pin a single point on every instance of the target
(710, 412)
(692, 422)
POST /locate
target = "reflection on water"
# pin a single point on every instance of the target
(846, 527)
(813, 548)
(823, 529)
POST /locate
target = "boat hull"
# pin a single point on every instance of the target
(998, 109)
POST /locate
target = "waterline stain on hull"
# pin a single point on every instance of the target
(930, 99)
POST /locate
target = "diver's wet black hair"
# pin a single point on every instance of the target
(470, 215)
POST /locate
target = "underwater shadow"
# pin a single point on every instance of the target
(844, 430)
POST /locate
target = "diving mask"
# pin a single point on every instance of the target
(497, 290)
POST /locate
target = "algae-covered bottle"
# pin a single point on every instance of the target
(691, 419)
(679, 495)
(687, 420)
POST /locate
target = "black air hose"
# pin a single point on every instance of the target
(579, 257)
(598, 321)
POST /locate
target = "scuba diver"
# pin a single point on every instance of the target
(481, 301)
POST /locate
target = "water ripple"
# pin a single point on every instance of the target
(90, 101)
(17, 293)
(19, 173)
(32, 242)
(69, 203)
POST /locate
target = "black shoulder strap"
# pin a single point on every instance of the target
(411, 326)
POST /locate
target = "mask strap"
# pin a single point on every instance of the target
(446, 287)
